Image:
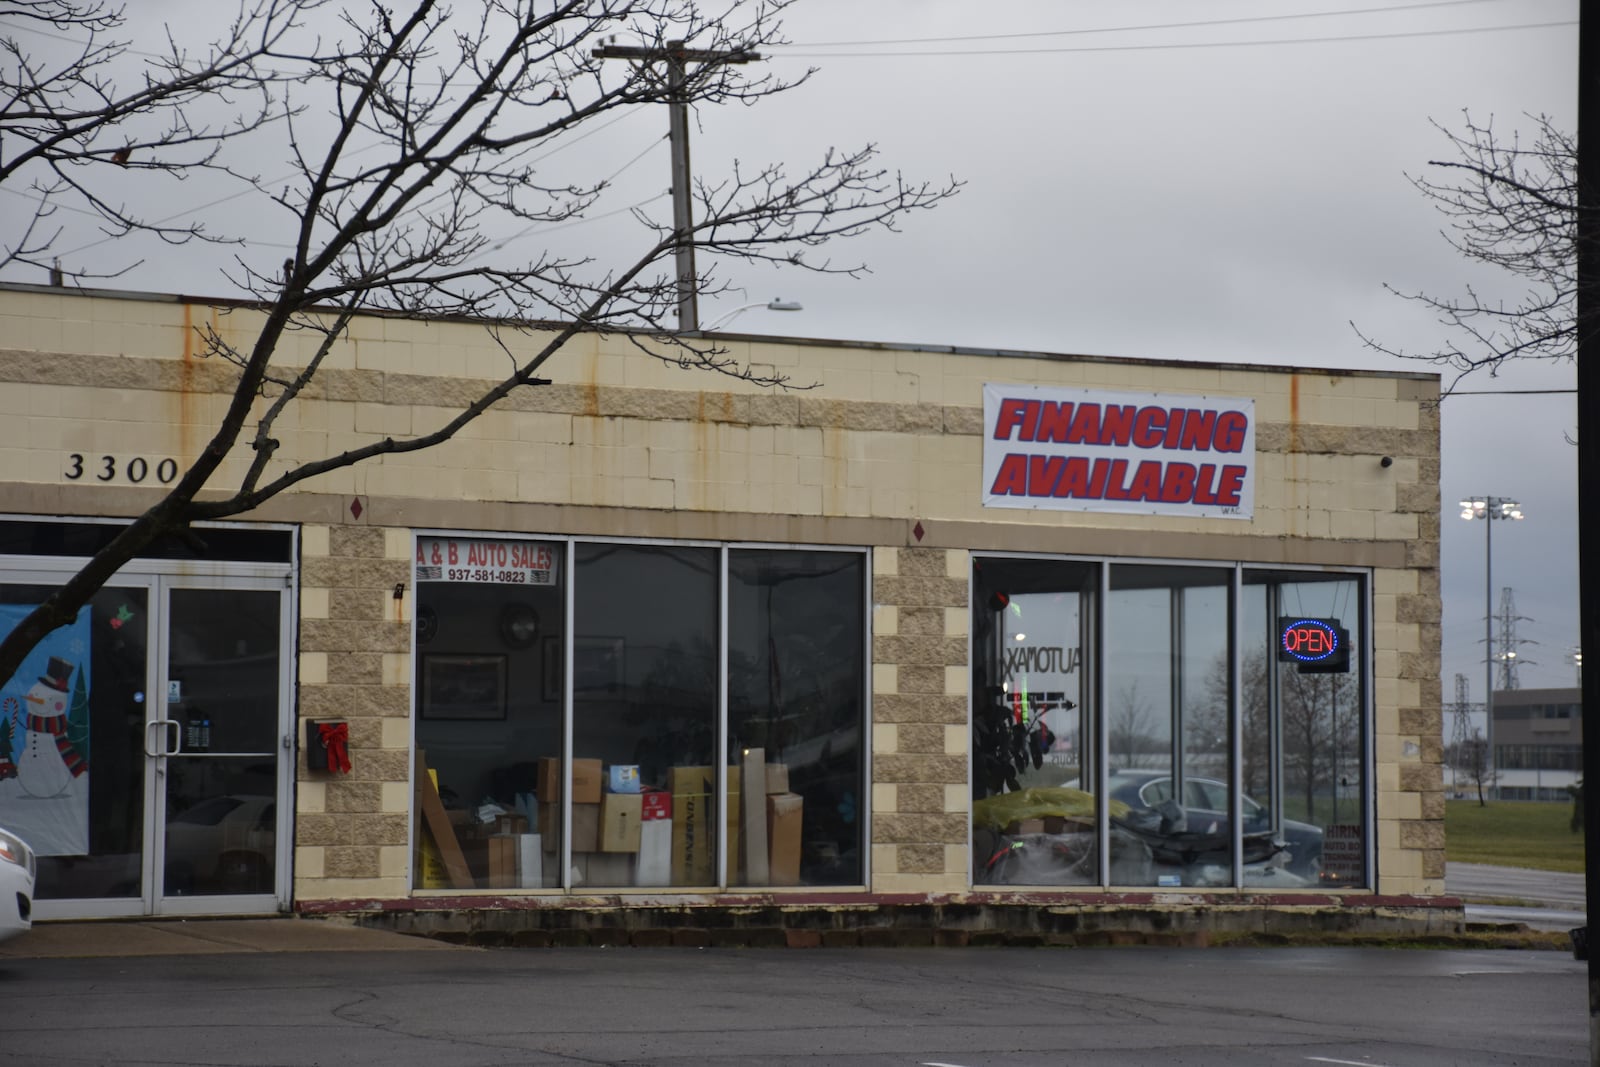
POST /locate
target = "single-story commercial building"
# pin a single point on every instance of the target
(987, 639)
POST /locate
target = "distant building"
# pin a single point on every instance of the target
(1538, 742)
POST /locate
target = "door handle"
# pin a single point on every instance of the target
(176, 738)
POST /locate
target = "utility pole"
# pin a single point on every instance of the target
(677, 57)
(1588, 339)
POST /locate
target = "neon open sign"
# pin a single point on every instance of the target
(1316, 644)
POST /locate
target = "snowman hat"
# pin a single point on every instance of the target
(56, 674)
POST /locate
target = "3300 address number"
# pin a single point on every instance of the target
(132, 469)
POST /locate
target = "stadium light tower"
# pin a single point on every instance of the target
(1490, 509)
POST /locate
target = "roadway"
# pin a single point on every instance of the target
(385, 1002)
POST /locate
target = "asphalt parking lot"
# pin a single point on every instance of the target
(302, 992)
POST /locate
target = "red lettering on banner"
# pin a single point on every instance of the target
(1085, 425)
(421, 553)
(1147, 482)
(1197, 430)
(1177, 485)
(454, 557)
(1055, 421)
(1148, 426)
(1009, 417)
(1042, 474)
(1075, 478)
(1116, 426)
(1174, 428)
(1012, 478)
(1231, 427)
(1097, 480)
(1203, 493)
(1230, 485)
(1116, 487)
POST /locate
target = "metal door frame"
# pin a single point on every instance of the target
(158, 577)
(157, 900)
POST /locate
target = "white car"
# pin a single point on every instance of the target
(17, 871)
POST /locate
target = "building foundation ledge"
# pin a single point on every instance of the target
(1042, 918)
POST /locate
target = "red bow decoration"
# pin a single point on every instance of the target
(335, 737)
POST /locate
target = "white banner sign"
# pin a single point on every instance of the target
(469, 559)
(1136, 453)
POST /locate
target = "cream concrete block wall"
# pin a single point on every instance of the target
(889, 436)
(352, 831)
(919, 751)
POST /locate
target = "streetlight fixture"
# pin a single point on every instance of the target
(1490, 509)
(770, 305)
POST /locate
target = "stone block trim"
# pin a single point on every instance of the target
(915, 830)
(351, 827)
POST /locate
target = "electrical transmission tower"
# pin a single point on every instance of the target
(1460, 735)
(1508, 657)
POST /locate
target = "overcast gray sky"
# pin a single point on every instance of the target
(1231, 189)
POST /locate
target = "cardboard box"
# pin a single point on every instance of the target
(619, 822)
(510, 823)
(549, 786)
(622, 778)
(777, 778)
(503, 861)
(586, 827)
(586, 775)
(530, 862)
(784, 812)
(602, 870)
(755, 820)
(694, 846)
(655, 852)
(655, 804)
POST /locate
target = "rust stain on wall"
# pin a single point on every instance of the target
(1293, 483)
(190, 404)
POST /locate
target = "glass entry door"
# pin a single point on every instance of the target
(214, 739)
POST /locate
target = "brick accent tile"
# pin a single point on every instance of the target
(919, 707)
(925, 799)
(920, 738)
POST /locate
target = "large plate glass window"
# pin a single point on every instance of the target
(488, 713)
(1167, 723)
(1303, 756)
(1033, 727)
(796, 679)
(644, 716)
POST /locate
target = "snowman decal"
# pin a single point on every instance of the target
(48, 763)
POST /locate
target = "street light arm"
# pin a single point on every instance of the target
(770, 305)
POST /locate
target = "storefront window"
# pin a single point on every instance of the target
(488, 713)
(1179, 809)
(796, 679)
(1033, 739)
(644, 716)
(1304, 741)
(1166, 719)
(648, 799)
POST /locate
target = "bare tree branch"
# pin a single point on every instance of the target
(415, 141)
(1513, 208)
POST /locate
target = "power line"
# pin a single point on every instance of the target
(1344, 39)
(1147, 26)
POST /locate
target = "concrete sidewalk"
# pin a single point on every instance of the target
(198, 936)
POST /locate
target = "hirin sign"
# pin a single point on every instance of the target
(1063, 449)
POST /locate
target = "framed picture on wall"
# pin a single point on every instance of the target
(597, 668)
(463, 687)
